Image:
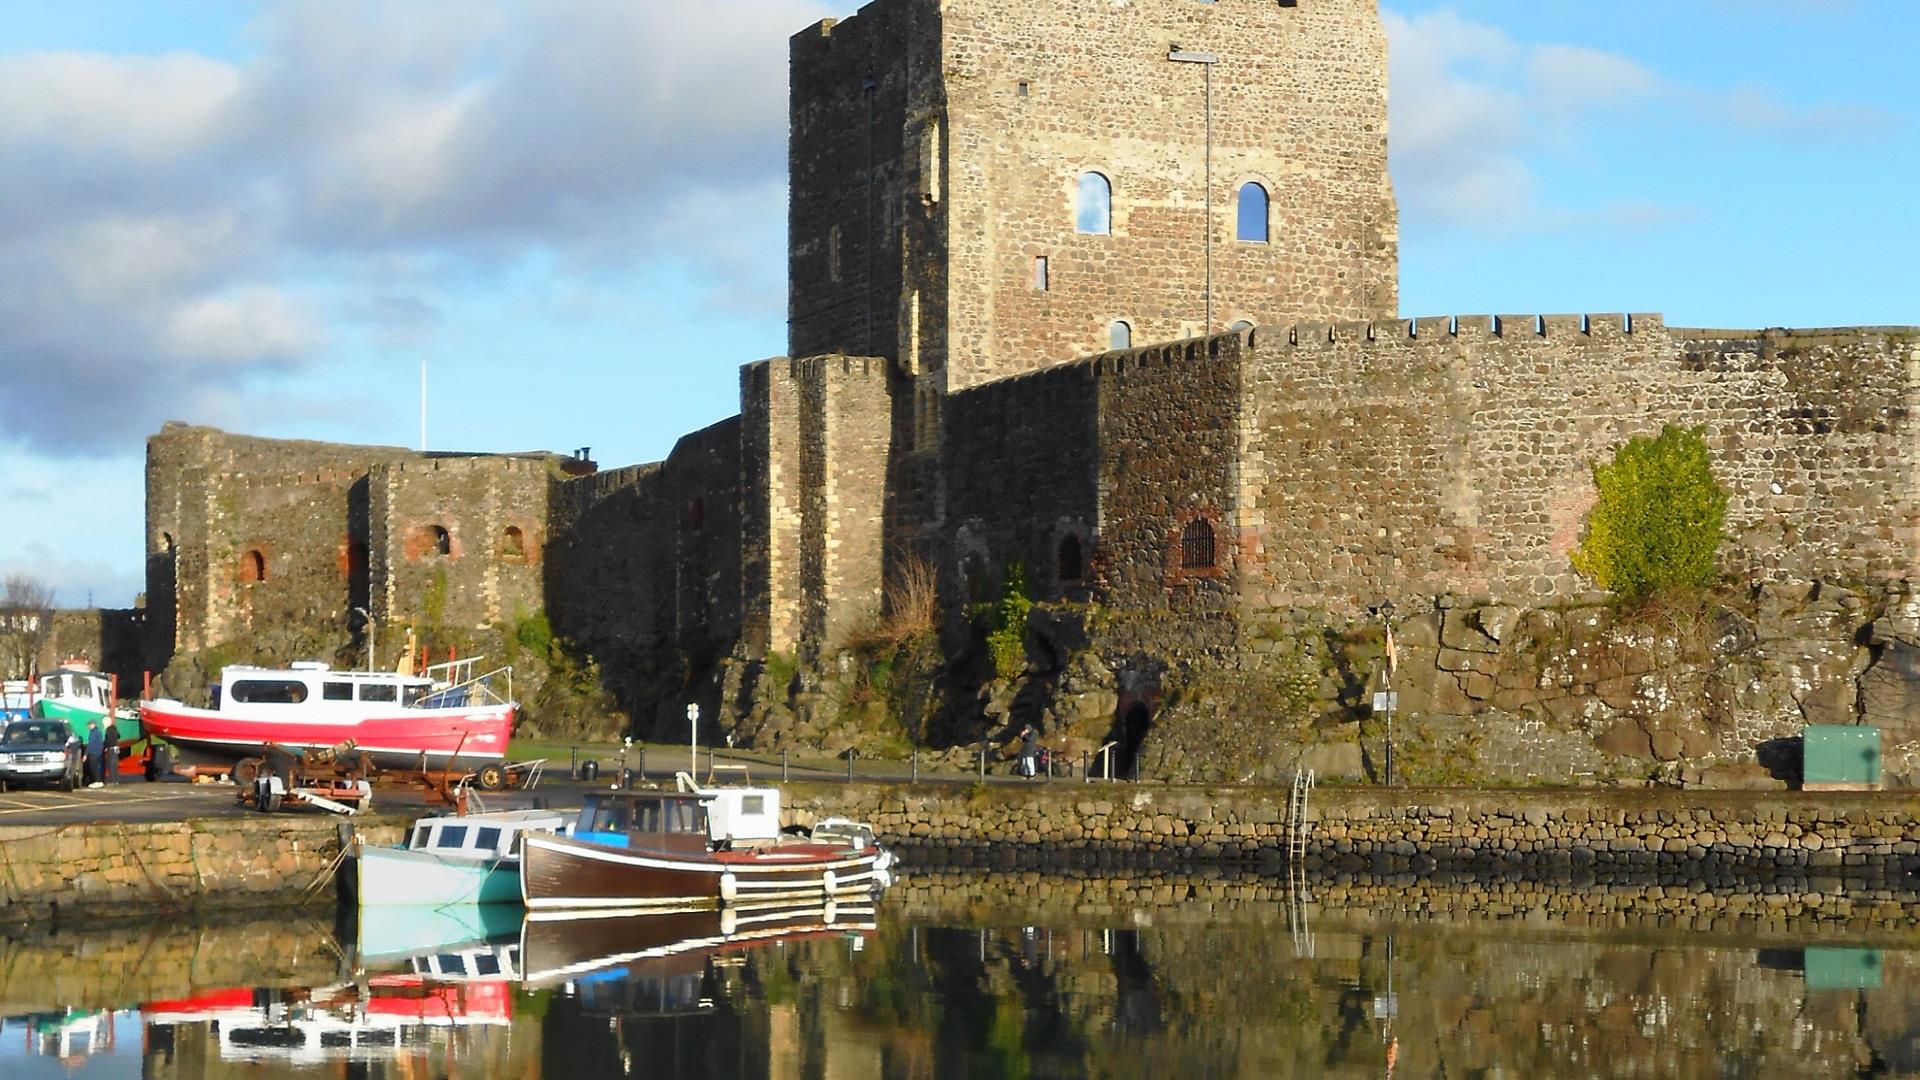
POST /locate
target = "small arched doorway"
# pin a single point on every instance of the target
(1134, 726)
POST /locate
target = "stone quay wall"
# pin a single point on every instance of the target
(49, 874)
(1678, 835)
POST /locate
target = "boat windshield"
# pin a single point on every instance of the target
(603, 816)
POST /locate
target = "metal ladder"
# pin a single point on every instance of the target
(1297, 826)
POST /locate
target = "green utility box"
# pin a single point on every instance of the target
(1840, 757)
(1843, 969)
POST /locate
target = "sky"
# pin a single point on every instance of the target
(266, 216)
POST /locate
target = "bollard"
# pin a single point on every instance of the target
(573, 762)
(983, 763)
(783, 766)
(643, 763)
(916, 764)
(710, 761)
(626, 779)
(1085, 776)
(589, 770)
(849, 766)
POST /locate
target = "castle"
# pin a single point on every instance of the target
(1112, 297)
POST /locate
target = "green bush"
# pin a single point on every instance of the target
(1007, 636)
(1657, 524)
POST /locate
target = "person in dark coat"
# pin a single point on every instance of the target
(96, 744)
(111, 736)
(1029, 750)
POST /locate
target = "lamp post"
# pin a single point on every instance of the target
(693, 739)
(371, 650)
(1206, 60)
(1385, 611)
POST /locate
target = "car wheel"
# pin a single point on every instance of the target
(492, 777)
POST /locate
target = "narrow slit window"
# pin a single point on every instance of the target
(1072, 560)
(1095, 215)
(1041, 280)
(1254, 226)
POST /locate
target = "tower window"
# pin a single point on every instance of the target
(253, 567)
(442, 540)
(513, 543)
(833, 254)
(1040, 278)
(1072, 564)
(1095, 215)
(1239, 325)
(697, 514)
(1253, 213)
(1197, 546)
(1120, 335)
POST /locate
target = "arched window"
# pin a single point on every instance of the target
(1120, 335)
(1196, 545)
(1072, 562)
(253, 567)
(513, 543)
(442, 540)
(973, 573)
(1095, 213)
(1253, 213)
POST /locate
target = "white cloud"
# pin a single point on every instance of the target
(167, 216)
(1472, 109)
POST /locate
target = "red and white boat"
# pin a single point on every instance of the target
(442, 719)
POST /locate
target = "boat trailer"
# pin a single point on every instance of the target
(340, 779)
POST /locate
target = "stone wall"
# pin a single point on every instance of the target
(458, 541)
(1688, 835)
(49, 874)
(936, 152)
(113, 640)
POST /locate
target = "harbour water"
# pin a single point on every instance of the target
(987, 977)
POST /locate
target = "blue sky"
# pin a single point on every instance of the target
(265, 216)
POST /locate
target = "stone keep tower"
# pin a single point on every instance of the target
(983, 187)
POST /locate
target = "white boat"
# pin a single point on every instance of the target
(446, 719)
(465, 859)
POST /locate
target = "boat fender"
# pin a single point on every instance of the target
(833, 910)
(729, 921)
(827, 882)
(729, 888)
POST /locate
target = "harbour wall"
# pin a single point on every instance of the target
(1681, 835)
(63, 874)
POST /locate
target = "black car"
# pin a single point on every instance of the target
(40, 752)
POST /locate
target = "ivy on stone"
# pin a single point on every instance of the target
(1657, 524)
(1007, 633)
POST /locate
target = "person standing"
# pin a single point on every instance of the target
(1029, 750)
(96, 744)
(110, 770)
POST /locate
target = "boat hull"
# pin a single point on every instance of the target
(665, 943)
(399, 877)
(558, 874)
(403, 739)
(126, 728)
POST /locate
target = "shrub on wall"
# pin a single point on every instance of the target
(1007, 633)
(1657, 523)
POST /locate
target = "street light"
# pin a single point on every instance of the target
(1385, 699)
(368, 616)
(693, 737)
(1206, 60)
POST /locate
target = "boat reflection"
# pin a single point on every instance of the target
(652, 946)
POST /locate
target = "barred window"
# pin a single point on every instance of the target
(1197, 546)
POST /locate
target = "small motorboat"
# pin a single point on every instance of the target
(638, 850)
(464, 859)
(79, 695)
(452, 722)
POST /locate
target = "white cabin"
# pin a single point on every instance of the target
(482, 837)
(743, 815)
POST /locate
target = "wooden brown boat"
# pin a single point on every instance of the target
(639, 850)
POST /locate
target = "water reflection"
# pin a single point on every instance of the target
(1011, 976)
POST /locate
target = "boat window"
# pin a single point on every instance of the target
(374, 691)
(100, 694)
(753, 804)
(607, 816)
(268, 692)
(646, 817)
(336, 691)
(452, 964)
(413, 695)
(50, 687)
(487, 839)
(452, 836)
(486, 964)
(419, 837)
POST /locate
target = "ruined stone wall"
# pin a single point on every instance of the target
(113, 640)
(604, 568)
(460, 539)
(1455, 456)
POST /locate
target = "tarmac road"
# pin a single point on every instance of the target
(140, 801)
